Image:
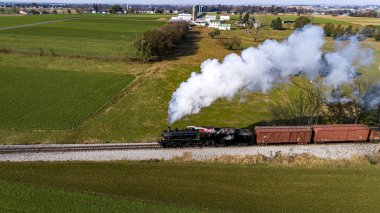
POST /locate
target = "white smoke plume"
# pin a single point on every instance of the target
(343, 63)
(259, 69)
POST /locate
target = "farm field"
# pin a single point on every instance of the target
(27, 197)
(53, 99)
(9, 21)
(128, 110)
(354, 20)
(188, 187)
(91, 36)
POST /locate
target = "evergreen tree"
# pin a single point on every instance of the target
(246, 19)
(240, 18)
(276, 24)
(301, 21)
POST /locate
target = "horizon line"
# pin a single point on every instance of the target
(259, 4)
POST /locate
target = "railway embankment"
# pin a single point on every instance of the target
(328, 151)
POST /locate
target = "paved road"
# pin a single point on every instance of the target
(37, 23)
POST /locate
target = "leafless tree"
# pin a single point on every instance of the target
(350, 102)
(357, 94)
(258, 25)
(305, 107)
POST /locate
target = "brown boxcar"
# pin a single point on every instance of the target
(375, 134)
(283, 134)
(340, 133)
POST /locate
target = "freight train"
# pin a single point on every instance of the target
(265, 135)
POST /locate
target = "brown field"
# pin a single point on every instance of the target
(353, 20)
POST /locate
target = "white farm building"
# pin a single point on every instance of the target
(214, 24)
(225, 17)
(224, 27)
(209, 18)
(182, 17)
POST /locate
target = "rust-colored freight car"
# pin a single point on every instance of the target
(340, 133)
(375, 134)
(285, 134)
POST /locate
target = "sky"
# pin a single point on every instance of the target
(229, 2)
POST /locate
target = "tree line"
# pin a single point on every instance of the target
(155, 43)
(312, 104)
(336, 31)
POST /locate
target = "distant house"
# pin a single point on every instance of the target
(209, 18)
(224, 27)
(214, 24)
(23, 12)
(287, 22)
(225, 17)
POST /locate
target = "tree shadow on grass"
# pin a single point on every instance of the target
(187, 47)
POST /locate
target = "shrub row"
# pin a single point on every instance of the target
(159, 42)
(337, 31)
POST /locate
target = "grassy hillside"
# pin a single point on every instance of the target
(210, 187)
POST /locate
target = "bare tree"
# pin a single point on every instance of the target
(303, 108)
(357, 96)
(258, 25)
(349, 103)
(315, 97)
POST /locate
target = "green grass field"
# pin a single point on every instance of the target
(94, 35)
(17, 197)
(53, 99)
(168, 186)
(9, 21)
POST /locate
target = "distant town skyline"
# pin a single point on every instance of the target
(210, 2)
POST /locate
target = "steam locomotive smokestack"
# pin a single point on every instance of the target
(261, 68)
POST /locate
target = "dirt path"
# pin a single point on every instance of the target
(35, 24)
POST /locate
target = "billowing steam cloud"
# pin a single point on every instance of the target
(259, 69)
(341, 64)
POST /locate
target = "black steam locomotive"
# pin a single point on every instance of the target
(206, 136)
(210, 136)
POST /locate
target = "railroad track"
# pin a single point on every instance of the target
(6, 149)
